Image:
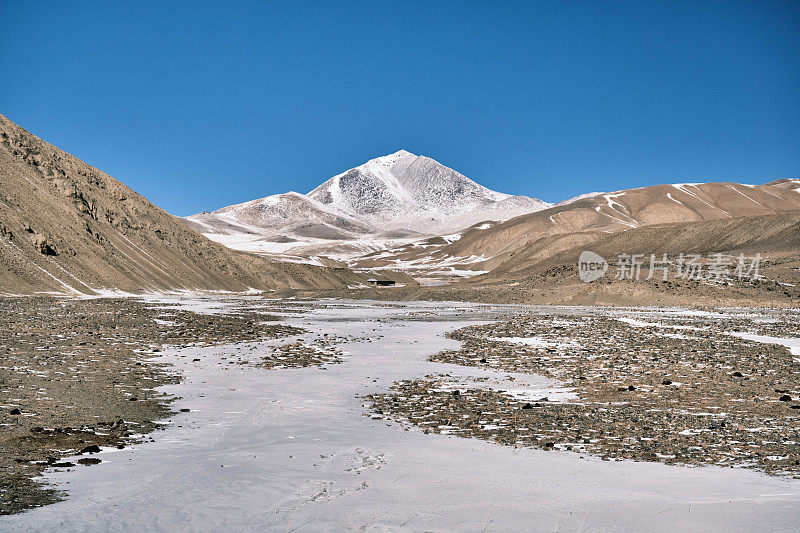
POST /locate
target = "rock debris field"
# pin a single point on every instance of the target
(677, 390)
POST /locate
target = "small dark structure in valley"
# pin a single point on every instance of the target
(381, 282)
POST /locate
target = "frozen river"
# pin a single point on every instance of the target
(290, 450)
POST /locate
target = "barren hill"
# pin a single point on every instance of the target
(547, 269)
(485, 246)
(544, 271)
(777, 235)
(633, 208)
(68, 227)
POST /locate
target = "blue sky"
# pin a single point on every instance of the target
(200, 105)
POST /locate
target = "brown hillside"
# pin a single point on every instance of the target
(606, 213)
(68, 227)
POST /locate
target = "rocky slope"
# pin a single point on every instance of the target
(68, 227)
(388, 200)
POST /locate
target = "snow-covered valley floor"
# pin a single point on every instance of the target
(291, 450)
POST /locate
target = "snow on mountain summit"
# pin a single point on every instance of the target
(400, 194)
(397, 189)
(369, 190)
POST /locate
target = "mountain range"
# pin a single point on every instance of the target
(66, 227)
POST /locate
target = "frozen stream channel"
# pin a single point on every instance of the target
(290, 450)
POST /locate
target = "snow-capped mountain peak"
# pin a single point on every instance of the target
(396, 188)
(390, 159)
(396, 195)
(369, 190)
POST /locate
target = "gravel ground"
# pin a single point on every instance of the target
(298, 355)
(651, 387)
(75, 376)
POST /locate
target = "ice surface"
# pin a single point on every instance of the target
(536, 342)
(792, 344)
(289, 450)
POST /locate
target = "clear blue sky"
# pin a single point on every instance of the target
(200, 105)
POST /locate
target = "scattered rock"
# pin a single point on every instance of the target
(44, 247)
(608, 420)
